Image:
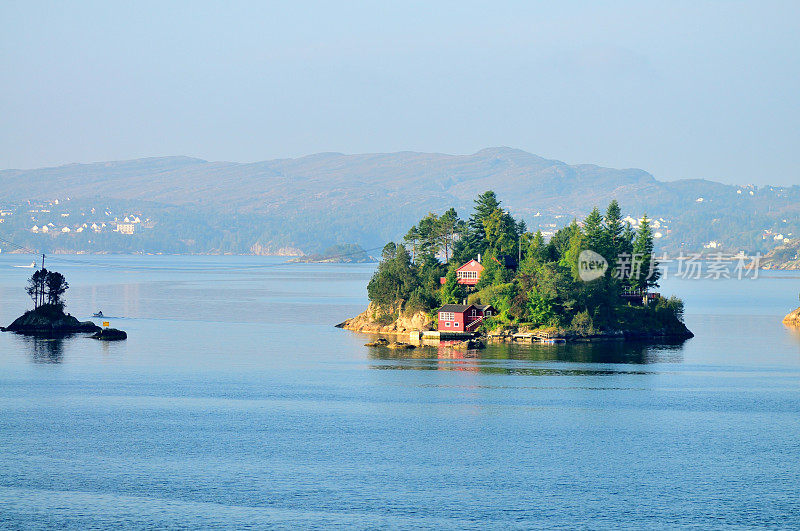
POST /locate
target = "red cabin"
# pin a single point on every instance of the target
(463, 317)
(468, 274)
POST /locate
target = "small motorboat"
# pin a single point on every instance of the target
(30, 266)
(553, 341)
(98, 314)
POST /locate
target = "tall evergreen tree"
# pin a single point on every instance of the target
(428, 228)
(645, 268)
(500, 231)
(614, 228)
(56, 287)
(452, 292)
(534, 252)
(450, 228)
(37, 287)
(594, 233)
(412, 240)
(626, 241)
(559, 243)
(485, 204)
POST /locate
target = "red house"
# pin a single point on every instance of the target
(468, 274)
(463, 317)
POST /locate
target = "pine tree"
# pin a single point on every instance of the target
(37, 287)
(485, 204)
(626, 241)
(412, 239)
(500, 231)
(56, 286)
(449, 229)
(594, 233)
(428, 228)
(452, 292)
(614, 228)
(534, 252)
(645, 268)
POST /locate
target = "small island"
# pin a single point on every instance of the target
(47, 318)
(489, 276)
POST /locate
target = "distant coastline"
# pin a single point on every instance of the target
(367, 198)
(338, 254)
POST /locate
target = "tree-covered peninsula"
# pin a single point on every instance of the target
(594, 278)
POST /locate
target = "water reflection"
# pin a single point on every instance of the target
(794, 332)
(506, 358)
(45, 349)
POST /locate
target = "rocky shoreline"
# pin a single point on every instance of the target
(793, 318)
(370, 322)
(605, 335)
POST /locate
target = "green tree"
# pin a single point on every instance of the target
(500, 231)
(37, 287)
(626, 242)
(613, 225)
(560, 242)
(485, 204)
(614, 229)
(539, 309)
(449, 229)
(47, 287)
(645, 273)
(534, 252)
(56, 287)
(428, 228)
(395, 278)
(452, 292)
(412, 240)
(595, 234)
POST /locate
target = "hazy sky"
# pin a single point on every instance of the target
(681, 89)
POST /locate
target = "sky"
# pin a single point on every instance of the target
(681, 89)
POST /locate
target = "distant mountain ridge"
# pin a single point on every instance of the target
(333, 198)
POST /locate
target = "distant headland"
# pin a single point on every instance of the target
(347, 253)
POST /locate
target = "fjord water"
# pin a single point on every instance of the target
(235, 402)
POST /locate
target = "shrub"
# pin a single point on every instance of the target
(420, 301)
(667, 309)
(582, 324)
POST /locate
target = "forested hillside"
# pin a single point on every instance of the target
(313, 202)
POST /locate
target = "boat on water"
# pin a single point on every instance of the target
(98, 314)
(32, 265)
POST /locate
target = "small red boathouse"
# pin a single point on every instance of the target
(463, 317)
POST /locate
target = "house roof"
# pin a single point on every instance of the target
(455, 308)
(482, 307)
(472, 264)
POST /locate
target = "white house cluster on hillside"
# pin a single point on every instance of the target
(56, 217)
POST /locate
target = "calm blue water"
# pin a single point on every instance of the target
(236, 403)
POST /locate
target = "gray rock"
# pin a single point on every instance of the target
(110, 334)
